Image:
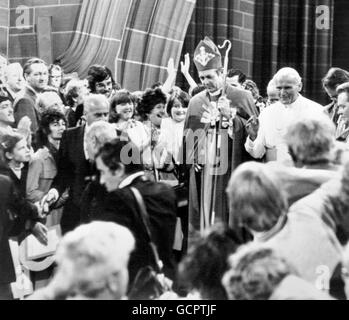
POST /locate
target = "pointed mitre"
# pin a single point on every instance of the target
(207, 56)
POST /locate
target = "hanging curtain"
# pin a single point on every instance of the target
(210, 18)
(98, 35)
(286, 35)
(155, 32)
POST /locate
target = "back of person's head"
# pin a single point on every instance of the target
(311, 140)
(257, 199)
(334, 78)
(119, 154)
(92, 262)
(236, 72)
(207, 261)
(98, 134)
(255, 273)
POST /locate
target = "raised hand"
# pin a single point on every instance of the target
(252, 127)
(185, 66)
(171, 70)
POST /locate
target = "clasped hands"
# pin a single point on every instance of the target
(38, 229)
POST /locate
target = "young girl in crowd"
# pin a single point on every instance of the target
(122, 109)
(18, 215)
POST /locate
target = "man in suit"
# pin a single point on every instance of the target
(74, 165)
(118, 163)
(36, 76)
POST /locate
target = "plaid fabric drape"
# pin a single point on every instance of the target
(154, 33)
(287, 35)
(98, 35)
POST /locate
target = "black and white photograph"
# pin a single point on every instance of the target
(174, 154)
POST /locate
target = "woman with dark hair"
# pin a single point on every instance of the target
(42, 170)
(121, 114)
(172, 128)
(201, 271)
(152, 111)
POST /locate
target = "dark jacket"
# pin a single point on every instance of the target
(7, 273)
(25, 105)
(121, 207)
(15, 210)
(73, 169)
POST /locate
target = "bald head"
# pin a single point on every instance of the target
(96, 108)
(13, 74)
(289, 84)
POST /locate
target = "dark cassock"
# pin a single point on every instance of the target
(213, 143)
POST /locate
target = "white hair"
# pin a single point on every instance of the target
(13, 67)
(74, 83)
(102, 131)
(271, 86)
(94, 100)
(90, 254)
(289, 73)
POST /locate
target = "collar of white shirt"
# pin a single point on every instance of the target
(85, 143)
(127, 181)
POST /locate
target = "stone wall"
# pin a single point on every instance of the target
(23, 20)
(4, 26)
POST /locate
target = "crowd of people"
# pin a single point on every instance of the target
(216, 193)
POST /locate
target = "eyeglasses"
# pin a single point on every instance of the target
(101, 114)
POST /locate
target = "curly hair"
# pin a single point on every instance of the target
(207, 261)
(256, 271)
(150, 99)
(47, 118)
